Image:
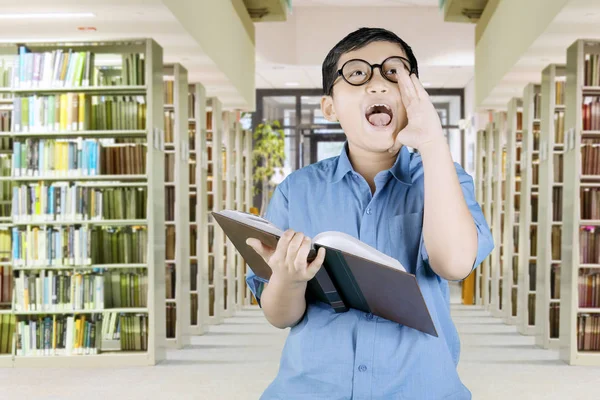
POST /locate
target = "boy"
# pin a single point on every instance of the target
(418, 208)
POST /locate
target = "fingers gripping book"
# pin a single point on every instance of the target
(353, 275)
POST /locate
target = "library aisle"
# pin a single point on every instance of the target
(237, 360)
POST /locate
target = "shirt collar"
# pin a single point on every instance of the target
(400, 170)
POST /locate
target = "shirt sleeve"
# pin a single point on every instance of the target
(277, 214)
(485, 241)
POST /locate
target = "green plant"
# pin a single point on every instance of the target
(268, 155)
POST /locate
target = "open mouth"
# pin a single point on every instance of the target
(379, 114)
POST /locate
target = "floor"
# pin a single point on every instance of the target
(238, 359)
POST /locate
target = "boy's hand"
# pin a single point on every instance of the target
(424, 126)
(289, 260)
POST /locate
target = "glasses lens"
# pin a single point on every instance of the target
(357, 72)
(393, 65)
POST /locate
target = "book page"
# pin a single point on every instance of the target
(252, 220)
(351, 245)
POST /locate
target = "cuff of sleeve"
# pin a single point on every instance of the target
(256, 285)
(485, 243)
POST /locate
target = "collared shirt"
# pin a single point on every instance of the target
(355, 355)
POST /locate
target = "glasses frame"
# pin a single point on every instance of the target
(373, 66)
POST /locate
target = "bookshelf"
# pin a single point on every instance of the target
(177, 212)
(229, 134)
(498, 178)
(479, 195)
(510, 244)
(240, 282)
(216, 237)
(248, 185)
(199, 200)
(580, 256)
(529, 209)
(7, 318)
(87, 205)
(488, 200)
(547, 314)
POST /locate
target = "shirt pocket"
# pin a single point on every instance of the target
(404, 238)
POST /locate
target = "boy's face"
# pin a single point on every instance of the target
(353, 107)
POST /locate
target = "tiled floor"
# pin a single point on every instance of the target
(238, 359)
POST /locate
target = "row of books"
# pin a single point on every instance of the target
(6, 284)
(68, 68)
(554, 320)
(50, 69)
(555, 282)
(168, 91)
(555, 237)
(34, 157)
(171, 314)
(72, 246)
(68, 245)
(169, 126)
(588, 332)
(590, 152)
(58, 335)
(590, 112)
(590, 203)
(591, 70)
(75, 335)
(170, 203)
(537, 105)
(73, 202)
(589, 288)
(558, 168)
(49, 290)
(88, 157)
(169, 167)
(589, 245)
(170, 281)
(559, 127)
(194, 309)
(559, 92)
(72, 112)
(557, 198)
(531, 309)
(58, 291)
(7, 328)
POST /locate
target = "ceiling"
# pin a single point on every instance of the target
(118, 19)
(289, 54)
(365, 3)
(578, 19)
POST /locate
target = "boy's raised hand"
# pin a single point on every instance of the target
(289, 260)
(424, 124)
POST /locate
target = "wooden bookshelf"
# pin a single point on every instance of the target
(498, 178)
(510, 244)
(134, 93)
(199, 200)
(529, 209)
(550, 207)
(216, 237)
(580, 260)
(177, 154)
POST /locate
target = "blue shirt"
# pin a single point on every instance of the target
(354, 355)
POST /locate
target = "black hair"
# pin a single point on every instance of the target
(356, 40)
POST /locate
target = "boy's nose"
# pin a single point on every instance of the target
(377, 84)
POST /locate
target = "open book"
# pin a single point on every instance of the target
(354, 274)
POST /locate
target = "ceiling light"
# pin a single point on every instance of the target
(426, 84)
(45, 15)
(292, 84)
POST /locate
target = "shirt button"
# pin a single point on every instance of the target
(369, 316)
(362, 368)
(368, 211)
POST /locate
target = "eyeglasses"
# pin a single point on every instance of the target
(357, 72)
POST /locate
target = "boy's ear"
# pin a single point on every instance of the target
(327, 109)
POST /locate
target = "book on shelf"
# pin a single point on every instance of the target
(590, 156)
(354, 274)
